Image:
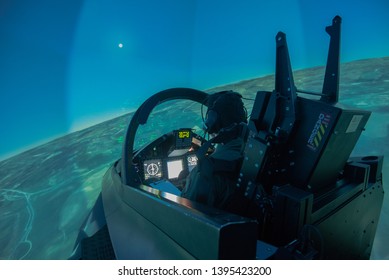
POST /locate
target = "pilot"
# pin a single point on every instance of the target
(213, 181)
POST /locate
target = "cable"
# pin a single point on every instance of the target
(309, 92)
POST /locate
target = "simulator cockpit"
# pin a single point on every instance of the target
(312, 200)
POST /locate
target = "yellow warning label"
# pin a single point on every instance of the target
(318, 131)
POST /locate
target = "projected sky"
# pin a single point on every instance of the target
(66, 65)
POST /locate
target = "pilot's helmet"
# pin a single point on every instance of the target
(225, 108)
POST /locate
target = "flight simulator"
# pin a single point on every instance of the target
(306, 197)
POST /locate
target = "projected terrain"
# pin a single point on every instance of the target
(46, 192)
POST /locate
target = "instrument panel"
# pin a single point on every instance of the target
(169, 168)
(171, 157)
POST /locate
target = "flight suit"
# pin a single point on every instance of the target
(213, 180)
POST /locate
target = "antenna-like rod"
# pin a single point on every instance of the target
(331, 78)
(284, 85)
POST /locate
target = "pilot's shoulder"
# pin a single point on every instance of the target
(229, 151)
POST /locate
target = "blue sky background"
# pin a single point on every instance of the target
(61, 67)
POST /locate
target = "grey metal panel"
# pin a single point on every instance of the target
(144, 225)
